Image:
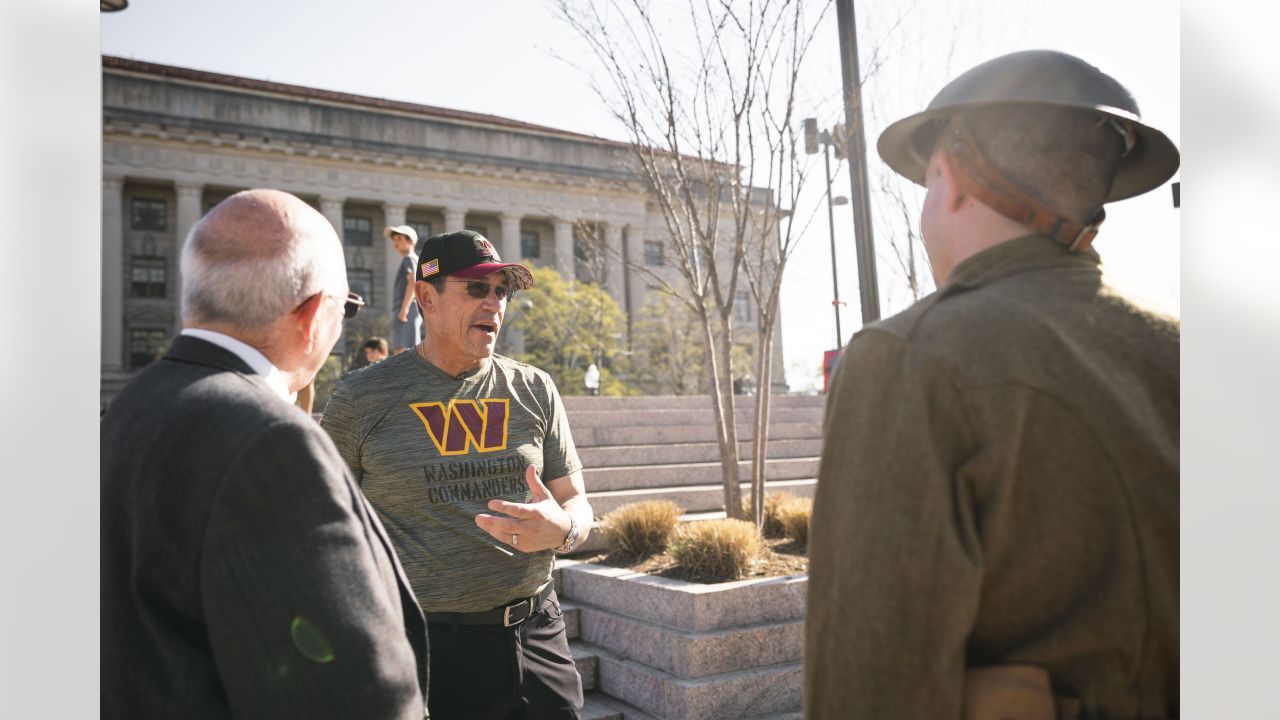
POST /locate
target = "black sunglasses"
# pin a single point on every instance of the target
(352, 306)
(480, 290)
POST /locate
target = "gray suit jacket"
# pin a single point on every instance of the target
(243, 573)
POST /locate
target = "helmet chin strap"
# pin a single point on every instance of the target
(977, 177)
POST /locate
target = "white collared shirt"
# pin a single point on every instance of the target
(250, 355)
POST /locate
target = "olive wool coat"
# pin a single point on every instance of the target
(999, 485)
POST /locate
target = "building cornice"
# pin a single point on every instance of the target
(204, 78)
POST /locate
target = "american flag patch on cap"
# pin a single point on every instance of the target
(430, 267)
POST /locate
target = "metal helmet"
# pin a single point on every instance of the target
(1035, 77)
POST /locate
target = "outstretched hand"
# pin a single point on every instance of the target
(537, 525)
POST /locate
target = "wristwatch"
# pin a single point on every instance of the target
(570, 539)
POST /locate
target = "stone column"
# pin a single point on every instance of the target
(455, 219)
(615, 280)
(189, 212)
(511, 251)
(331, 208)
(112, 273)
(394, 215)
(635, 279)
(564, 248)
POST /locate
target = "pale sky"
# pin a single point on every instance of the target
(515, 58)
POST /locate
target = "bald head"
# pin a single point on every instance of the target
(254, 257)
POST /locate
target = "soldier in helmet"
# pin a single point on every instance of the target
(995, 532)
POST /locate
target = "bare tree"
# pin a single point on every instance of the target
(701, 113)
(777, 231)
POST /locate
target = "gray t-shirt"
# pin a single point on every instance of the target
(431, 450)
(408, 265)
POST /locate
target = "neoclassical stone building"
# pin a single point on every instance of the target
(177, 141)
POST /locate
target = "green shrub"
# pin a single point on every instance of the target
(794, 516)
(772, 501)
(717, 549)
(640, 529)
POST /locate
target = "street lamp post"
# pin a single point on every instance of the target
(831, 228)
(812, 139)
(868, 288)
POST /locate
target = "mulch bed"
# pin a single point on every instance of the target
(783, 556)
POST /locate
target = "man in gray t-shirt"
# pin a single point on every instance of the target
(406, 321)
(450, 442)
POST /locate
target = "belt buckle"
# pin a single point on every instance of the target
(506, 614)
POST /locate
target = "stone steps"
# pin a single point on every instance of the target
(590, 436)
(635, 477)
(640, 418)
(692, 498)
(691, 452)
(598, 706)
(587, 660)
(681, 402)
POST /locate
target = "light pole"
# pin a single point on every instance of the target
(868, 288)
(812, 139)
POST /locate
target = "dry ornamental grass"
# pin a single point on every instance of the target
(793, 516)
(772, 502)
(717, 549)
(640, 529)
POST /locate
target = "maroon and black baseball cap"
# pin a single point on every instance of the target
(467, 254)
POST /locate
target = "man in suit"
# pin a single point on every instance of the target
(243, 573)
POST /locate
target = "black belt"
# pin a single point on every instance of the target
(509, 615)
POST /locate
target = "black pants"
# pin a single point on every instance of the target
(486, 672)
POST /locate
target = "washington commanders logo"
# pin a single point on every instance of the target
(484, 247)
(461, 425)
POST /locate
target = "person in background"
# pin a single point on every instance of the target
(375, 349)
(243, 574)
(406, 321)
(995, 528)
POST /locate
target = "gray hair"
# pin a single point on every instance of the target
(250, 286)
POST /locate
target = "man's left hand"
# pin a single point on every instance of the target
(537, 525)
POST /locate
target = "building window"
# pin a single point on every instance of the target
(742, 307)
(146, 345)
(530, 244)
(361, 283)
(653, 253)
(423, 229)
(150, 214)
(357, 231)
(147, 276)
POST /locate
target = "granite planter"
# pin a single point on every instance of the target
(681, 650)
